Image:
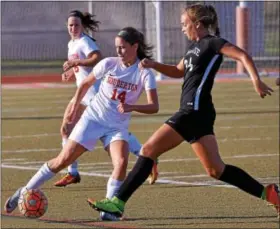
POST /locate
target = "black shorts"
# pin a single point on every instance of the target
(193, 125)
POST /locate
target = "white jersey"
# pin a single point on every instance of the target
(80, 49)
(119, 84)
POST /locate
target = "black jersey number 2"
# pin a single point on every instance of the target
(188, 64)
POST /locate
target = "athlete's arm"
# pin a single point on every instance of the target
(236, 53)
(151, 107)
(92, 59)
(80, 93)
(173, 71)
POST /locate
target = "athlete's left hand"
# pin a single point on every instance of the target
(123, 107)
(262, 89)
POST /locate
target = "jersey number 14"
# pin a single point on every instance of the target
(118, 96)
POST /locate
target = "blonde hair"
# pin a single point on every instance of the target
(206, 14)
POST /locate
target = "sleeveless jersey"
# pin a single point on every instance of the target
(119, 84)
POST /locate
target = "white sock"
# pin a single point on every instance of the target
(73, 168)
(44, 174)
(134, 144)
(113, 187)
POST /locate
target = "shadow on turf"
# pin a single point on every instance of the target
(217, 220)
(98, 223)
(71, 222)
(137, 115)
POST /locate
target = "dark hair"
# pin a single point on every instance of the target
(87, 20)
(132, 36)
(206, 14)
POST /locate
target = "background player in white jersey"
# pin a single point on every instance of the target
(83, 54)
(107, 117)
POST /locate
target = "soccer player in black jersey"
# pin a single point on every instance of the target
(195, 119)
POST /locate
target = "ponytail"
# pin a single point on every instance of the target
(214, 25)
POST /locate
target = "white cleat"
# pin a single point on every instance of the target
(105, 216)
(12, 202)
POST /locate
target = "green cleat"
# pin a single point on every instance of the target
(114, 206)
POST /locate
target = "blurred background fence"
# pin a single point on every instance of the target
(34, 33)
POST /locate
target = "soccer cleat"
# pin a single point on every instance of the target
(272, 195)
(12, 202)
(114, 206)
(68, 179)
(154, 173)
(105, 216)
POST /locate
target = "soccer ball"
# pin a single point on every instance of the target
(33, 203)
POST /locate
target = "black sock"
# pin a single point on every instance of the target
(136, 177)
(239, 178)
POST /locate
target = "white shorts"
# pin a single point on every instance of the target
(88, 131)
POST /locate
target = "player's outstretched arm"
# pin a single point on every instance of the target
(171, 71)
(236, 53)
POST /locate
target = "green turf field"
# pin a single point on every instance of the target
(247, 129)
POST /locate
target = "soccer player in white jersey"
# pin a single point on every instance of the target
(108, 115)
(83, 54)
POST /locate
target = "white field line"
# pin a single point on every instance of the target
(30, 109)
(213, 183)
(65, 101)
(161, 119)
(221, 140)
(98, 164)
(13, 159)
(38, 150)
(140, 131)
(218, 109)
(34, 97)
(31, 135)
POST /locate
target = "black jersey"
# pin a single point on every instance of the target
(201, 62)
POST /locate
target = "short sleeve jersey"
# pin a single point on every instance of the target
(118, 84)
(80, 49)
(201, 62)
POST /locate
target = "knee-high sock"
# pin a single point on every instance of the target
(44, 174)
(73, 168)
(113, 187)
(239, 178)
(136, 177)
(134, 144)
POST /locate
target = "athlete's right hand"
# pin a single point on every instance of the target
(146, 63)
